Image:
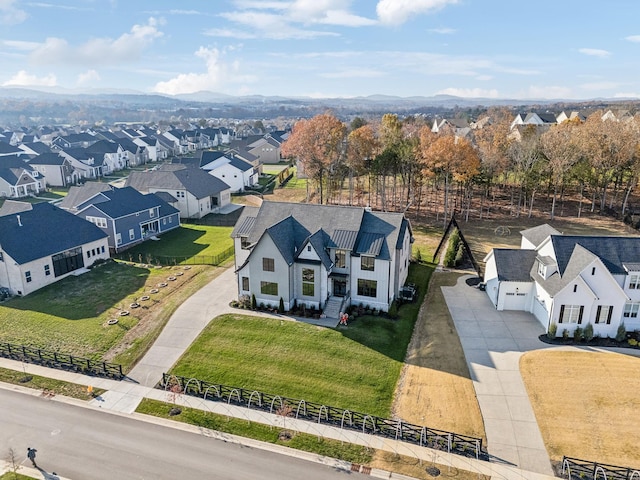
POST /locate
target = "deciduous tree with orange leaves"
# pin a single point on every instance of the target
(319, 146)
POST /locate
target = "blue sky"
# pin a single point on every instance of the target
(572, 49)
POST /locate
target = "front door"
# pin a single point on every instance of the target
(339, 287)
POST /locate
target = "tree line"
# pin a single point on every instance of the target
(394, 164)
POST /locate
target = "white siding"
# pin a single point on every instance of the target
(381, 274)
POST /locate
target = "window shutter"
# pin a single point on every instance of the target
(609, 315)
(598, 313)
(561, 314)
(580, 315)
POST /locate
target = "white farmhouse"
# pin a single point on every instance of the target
(569, 280)
(326, 257)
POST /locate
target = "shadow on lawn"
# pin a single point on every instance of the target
(179, 242)
(89, 295)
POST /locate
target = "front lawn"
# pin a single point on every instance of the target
(586, 404)
(71, 316)
(186, 241)
(355, 367)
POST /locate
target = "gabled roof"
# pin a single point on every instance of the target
(318, 241)
(120, 202)
(102, 147)
(166, 197)
(240, 164)
(37, 147)
(6, 149)
(580, 259)
(10, 207)
(197, 182)
(79, 195)
(537, 235)
(514, 265)
(43, 231)
(614, 252)
(350, 228)
(48, 159)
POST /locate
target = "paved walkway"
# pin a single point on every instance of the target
(493, 343)
(498, 471)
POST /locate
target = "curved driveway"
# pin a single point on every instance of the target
(493, 342)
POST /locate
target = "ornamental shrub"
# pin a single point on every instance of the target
(553, 329)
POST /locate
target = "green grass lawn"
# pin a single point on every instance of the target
(355, 368)
(186, 241)
(70, 316)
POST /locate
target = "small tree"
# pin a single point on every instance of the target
(14, 464)
(588, 332)
(621, 333)
(281, 306)
(254, 304)
(418, 255)
(578, 334)
(553, 329)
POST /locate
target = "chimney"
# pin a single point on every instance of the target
(19, 222)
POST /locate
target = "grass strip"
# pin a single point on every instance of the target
(257, 431)
(50, 385)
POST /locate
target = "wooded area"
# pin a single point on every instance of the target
(586, 164)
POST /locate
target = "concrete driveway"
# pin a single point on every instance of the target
(493, 343)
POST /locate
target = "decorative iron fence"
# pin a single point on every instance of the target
(576, 469)
(60, 361)
(168, 260)
(301, 409)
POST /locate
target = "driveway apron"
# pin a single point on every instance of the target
(493, 342)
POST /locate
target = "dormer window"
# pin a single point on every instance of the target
(634, 281)
(542, 270)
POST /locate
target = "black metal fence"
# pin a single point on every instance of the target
(60, 361)
(576, 469)
(370, 424)
(168, 260)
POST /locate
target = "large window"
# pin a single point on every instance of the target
(341, 259)
(367, 288)
(634, 281)
(603, 314)
(268, 264)
(308, 282)
(245, 284)
(571, 314)
(99, 221)
(68, 261)
(631, 310)
(269, 288)
(367, 263)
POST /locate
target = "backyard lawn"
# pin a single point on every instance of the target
(187, 241)
(354, 367)
(71, 316)
(586, 404)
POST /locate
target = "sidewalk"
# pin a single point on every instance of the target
(426, 455)
(493, 342)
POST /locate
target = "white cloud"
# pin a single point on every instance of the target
(10, 14)
(484, 78)
(58, 6)
(396, 12)
(548, 91)
(24, 79)
(88, 77)
(356, 73)
(626, 95)
(267, 25)
(470, 92)
(127, 47)
(260, 4)
(19, 44)
(329, 12)
(443, 31)
(599, 86)
(633, 38)
(595, 52)
(218, 74)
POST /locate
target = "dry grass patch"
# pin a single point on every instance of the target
(586, 404)
(435, 387)
(415, 468)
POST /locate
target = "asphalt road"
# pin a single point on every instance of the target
(86, 444)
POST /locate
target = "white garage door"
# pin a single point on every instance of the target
(514, 300)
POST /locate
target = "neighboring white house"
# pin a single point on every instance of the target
(310, 254)
(45, 244)
(569, 280)
(194, 192)
(232, 170)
